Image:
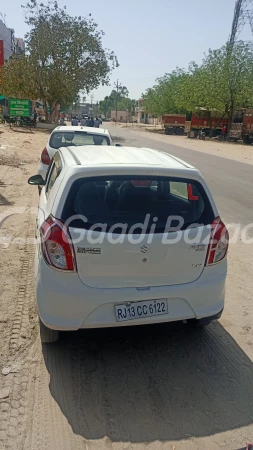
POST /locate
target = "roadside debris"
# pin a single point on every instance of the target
(4, 393)
(7, 370)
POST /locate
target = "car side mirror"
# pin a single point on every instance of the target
(36, 180)
(118, 145)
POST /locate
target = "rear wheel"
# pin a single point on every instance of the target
(47, 335)
(199, 323)
(246, 140)
(179, 131)
(169, 131)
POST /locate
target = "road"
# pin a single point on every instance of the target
(231, 182)
(161, 387)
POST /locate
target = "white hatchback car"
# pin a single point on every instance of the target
(126, 238)
(71, 136)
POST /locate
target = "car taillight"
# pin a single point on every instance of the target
(218, 245)
(56, 245)
(45, 158)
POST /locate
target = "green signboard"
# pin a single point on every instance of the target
(19, 107)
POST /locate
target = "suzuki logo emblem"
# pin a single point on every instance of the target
(145, 249)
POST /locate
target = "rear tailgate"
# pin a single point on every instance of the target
(138, 233)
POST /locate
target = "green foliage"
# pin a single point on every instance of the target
(64, 55)
(124, 103)
(222, 83)
(162, 98)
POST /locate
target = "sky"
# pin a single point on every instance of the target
(149, 37)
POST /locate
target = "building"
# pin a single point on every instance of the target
(6, 42)
(121, 116)
(19, 46)
(87, 108)
(143, 117)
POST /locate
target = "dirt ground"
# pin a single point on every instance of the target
(230, 150)
(145, 388)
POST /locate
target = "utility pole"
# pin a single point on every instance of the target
(117, 85)
(91, 100)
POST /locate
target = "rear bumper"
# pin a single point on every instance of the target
(65, 303)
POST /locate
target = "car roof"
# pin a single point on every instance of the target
(99, 156)
(66, 128)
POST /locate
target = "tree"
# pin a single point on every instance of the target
(15, 79)
(223, 82)
(64, 55)
(127, 104)
(124, 103)
(162, 98)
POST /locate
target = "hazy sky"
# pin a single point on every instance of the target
(149, 37)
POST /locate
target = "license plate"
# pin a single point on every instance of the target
(138, 310)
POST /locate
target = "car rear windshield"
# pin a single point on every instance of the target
(130, 200)
(76, 138)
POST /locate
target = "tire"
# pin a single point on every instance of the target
(204, 322)
(246, 140)
(47, 335)
(179, 131)
(199, 323)
(168, 131)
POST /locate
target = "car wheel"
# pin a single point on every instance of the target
(246, 140)
(199, 323)
(47, 335)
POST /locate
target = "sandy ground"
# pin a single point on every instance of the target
(145, 388)
(230, 150)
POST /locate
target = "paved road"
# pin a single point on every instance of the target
(231, 182)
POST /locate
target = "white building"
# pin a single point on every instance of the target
(143, 117)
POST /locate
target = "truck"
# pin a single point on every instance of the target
(201, 120)
(205, 121)
(174, 123)
(242, 126)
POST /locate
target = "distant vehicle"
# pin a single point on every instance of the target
(174, 123)
(101, 258)
(69, 136)
(242, 126)
(201, 122)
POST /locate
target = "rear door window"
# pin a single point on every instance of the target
(131, 200)
(179, 189)
(76, 138)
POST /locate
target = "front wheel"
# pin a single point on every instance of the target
(47, 335)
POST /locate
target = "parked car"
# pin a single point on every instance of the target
(69, 136)
(131, 237)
